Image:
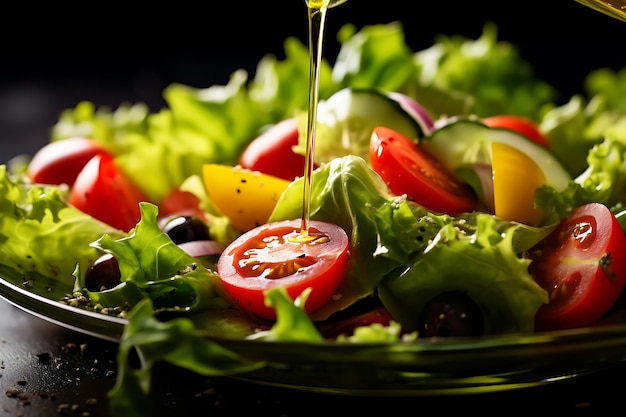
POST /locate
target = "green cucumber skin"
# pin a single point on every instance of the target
(376, 107)
(347, 119)
(465, 142)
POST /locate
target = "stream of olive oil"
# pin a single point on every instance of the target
(317, 19)
(613, 8)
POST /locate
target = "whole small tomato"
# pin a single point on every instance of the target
(60, 162)
(518, 124)
(272, 152)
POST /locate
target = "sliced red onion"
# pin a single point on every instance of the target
(485, 174)
(197, 248)
(415, 110)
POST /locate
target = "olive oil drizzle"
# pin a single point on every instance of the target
(613, 8)
(317, 19)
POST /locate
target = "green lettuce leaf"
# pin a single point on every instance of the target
(491, 74)
(292, 322)
(42, 239)
(175, 341)
(583, 122)
(153, 264)
(483, 264)
(376, 56)
(603, 181)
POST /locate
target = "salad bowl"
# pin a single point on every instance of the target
(424, 367)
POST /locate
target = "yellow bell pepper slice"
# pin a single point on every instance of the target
(245, 196)
(516, 177)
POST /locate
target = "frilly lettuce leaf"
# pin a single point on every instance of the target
(377, 333)
(583, 122)
(42, 239)
(281, 87)
(490, 73)
(175, 341)
(603, 181)
(483, 264)
(589, 136)
(375, 56)
(605, 177)
(106, 126)
(567, 130)
(292, 322)
(455, 76)
(153, 264)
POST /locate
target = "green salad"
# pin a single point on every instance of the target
(402, 254)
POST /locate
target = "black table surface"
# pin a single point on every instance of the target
(48, 370)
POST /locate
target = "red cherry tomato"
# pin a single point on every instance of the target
(103, 191)
(60, 162)
(276, 254)
(272, 152)
(333, 329)
(181, 203)
(518, 124)
(582, 266)
(409, 169)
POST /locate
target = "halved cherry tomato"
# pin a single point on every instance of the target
(103, 191)
(272, 152)
(245, 196)
(280, 254)
(518, 124)
(409, 169)
(516, 178)
(60, 162)
(582, 266)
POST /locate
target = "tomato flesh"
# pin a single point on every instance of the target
(279, 254)
(106, 193)
(409, 169)
(581, 266)
(60, 162)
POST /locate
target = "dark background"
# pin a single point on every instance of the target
(128, 52)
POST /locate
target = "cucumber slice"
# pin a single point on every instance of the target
(346, 120)
(467, 142)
